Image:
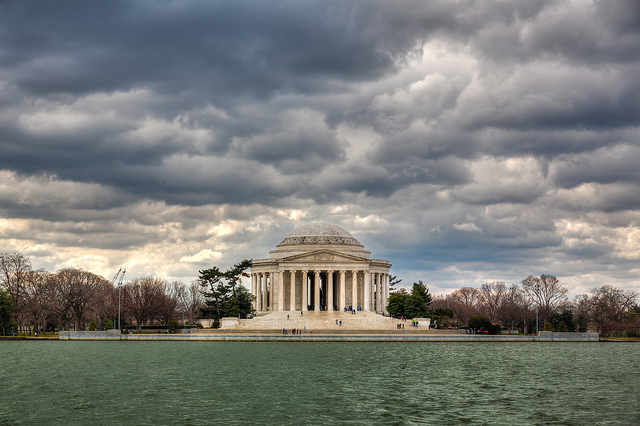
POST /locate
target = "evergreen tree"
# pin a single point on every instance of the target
(7, 322)
(393, 282)
(565, 317)
(417, 304)
(481, 324)
(396, 303)
(214, 290)
(224, 296)
(441, 316)
(413, 305)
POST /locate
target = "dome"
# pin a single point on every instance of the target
(320, 233)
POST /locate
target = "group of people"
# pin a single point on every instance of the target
(400, 326)
(351, 309)
(311, 307)
(295, 331)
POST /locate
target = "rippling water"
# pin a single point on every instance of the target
(313, 383)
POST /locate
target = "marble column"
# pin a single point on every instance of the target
(342, 293)
(267, 297)
(354, 290)
(292, 301)
(367, 291)
(373, 293)
(253, 290)
(385, 299)
(265, 293)
(379, 295)
(258, 292)
(316, 291)
(330, 290)
(272, 287)
(305, 289)
(280, 290)
(382, 292)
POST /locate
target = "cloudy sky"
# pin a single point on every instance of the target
(465, 142)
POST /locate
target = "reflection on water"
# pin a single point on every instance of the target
(310, 383)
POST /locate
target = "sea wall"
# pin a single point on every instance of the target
(320, 337)
(90, 335)
(569, 337)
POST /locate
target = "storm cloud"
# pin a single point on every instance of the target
(464, 142)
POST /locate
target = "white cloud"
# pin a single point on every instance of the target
(206, 255)
(466, 227)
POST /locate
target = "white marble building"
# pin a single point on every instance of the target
(320, 267)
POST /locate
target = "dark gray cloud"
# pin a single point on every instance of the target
(234, 48)
(463, 141)
(618, 163)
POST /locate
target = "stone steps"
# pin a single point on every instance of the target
(326, 320)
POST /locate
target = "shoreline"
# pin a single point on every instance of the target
(319, 336)
(329, 336)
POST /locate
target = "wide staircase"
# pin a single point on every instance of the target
(324, 320)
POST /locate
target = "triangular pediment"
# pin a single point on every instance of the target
(322, 256)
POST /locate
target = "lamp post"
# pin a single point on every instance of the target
(119, 297)
(119, 322)
(117, 280)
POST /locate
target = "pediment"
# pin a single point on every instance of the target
(322, 256)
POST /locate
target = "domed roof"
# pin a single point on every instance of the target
(320, 233)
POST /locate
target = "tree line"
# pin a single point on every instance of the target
(606, 309)
(72, 298)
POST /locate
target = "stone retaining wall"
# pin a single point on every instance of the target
(90, 335)
(320, 337)
(569, 337)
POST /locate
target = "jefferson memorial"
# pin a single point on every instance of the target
(320, 267)
(319, 278)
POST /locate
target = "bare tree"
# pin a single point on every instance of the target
(547, 294)
(466, 296)
(582, 313)
(491, 297)
(14, 271)
(191, 300)
(78, 290)
(464, 303)
(195, 300)
(105, 305)
(36, 301)
(610, 308)
(58, 303)
(169, 304)
(142, 298)
(511, 308)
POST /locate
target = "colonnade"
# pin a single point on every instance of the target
(318, 290)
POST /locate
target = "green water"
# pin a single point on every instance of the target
(313, 383)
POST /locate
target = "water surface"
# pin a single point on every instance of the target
(312, 383)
